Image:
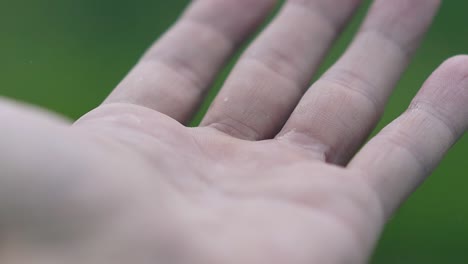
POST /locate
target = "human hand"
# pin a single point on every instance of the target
(270, 176)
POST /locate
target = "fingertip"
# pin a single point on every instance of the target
(455, 67)
(451, 75)
(446, 93)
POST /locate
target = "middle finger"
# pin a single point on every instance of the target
(275, 71)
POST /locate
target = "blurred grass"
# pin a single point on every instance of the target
(67, 55)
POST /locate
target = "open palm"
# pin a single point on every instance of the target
(270, 176)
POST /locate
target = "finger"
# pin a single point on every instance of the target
(174, 74)
(341, 108)
(58, 184)
(396, 161)
(29, 142)
(274, 72)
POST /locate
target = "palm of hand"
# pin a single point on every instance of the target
(267, 178)
(176, 194)
(243, 201)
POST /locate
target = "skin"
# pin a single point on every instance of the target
(273, 173)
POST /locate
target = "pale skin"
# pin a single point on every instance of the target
(273, 173)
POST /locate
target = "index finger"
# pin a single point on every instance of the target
(178, 69)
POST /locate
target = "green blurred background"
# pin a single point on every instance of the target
(67, 55)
